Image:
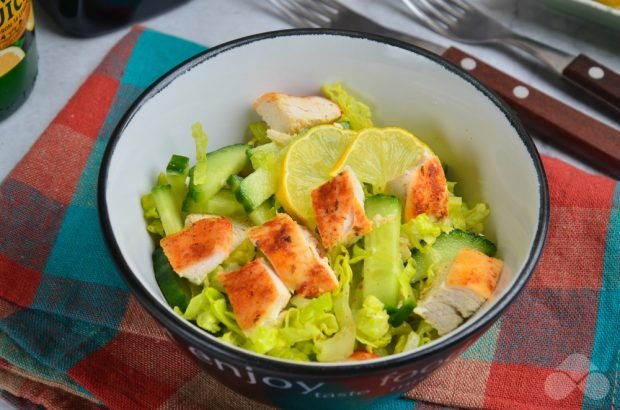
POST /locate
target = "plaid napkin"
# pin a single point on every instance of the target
(72, 336)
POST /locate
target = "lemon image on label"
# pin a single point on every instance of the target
(9, 58)
(18, 54)
(30, 22)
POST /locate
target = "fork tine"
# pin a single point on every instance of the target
(301, 8)
(436, 11)
(448, 7)
(421, 16)
(322, 8)
(332, 3)
(461, 4)
(291, 17)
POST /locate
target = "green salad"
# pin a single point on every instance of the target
(323, 238)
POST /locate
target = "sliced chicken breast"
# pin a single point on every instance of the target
(338, 208)
(256, 294)
(423, 189)
(290, 114)
(196, 250)
(239, 230)
(459, 290)
(292, 251)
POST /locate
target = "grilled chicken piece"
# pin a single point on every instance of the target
(199, 248)
(293, 254)
(423, 189)
(256, 294)
(360, 355)
(290, 114)
(459, 290)
(239, 230)
(338, 208)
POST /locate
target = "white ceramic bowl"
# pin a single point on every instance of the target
(484, 145)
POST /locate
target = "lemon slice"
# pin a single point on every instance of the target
(306, 165)
(9, 58)
(378, 155)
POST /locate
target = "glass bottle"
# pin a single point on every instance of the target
(18, 54)
(88, 18)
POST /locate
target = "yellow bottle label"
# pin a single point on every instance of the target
(14, 18)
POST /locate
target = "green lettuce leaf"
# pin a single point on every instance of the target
(241, 255)
(156, 227)
(426, 333)
(263, 339)
(149, 210)
(211, 312)
(233, 338)
(311, 319)
(201, 140)
(290, 353)
(372, 324)
(461, 216)
(421, 232)
(407, 342)
(258, 131)
(355, 113)
(340, 345)
(465, 218)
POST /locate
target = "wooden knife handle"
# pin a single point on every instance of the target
(595, 78)
(584, 137)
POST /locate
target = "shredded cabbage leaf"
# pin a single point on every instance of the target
(372, 324)
(341, 345)
(211, 312)
(465, 218)
(201, 140)
(355, 113)
(241, 255)
(258, 131)
(421, 232)
(149, 210)
(461, 216)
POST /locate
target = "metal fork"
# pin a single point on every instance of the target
(332, 14)
(459, 20)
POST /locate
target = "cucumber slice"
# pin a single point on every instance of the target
(223, 163)
(383, 264)
(256, 188)
(234, 181)
(176, 290)
(260, 154)
(263, 213)
(176, 174)
(448, 245)
(167, 208)
(178, 165)
(224, 203)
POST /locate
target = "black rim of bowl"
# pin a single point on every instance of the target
(192, 336)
